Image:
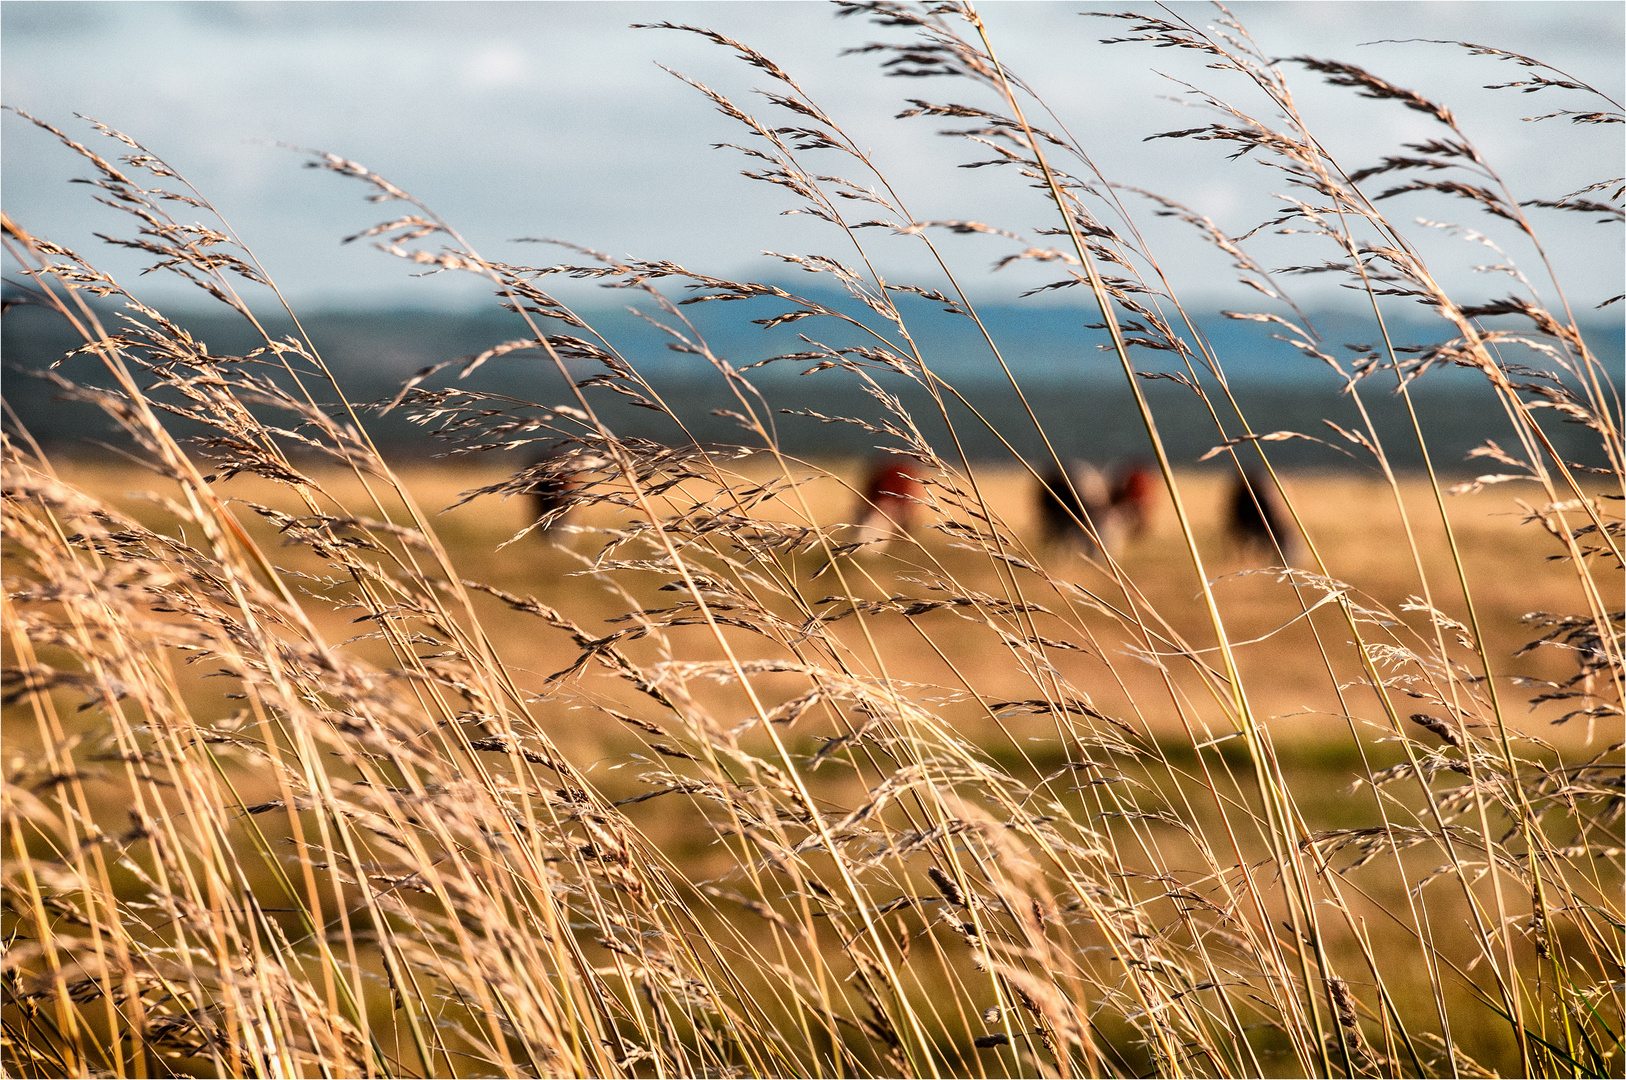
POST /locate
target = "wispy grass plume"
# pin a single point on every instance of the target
(303, 779)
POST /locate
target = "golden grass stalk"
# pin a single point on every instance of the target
(746, 795)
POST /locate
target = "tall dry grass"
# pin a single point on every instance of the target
(957, 806)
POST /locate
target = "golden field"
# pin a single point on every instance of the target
(1327, 732)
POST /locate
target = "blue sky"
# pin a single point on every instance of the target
(554, 120)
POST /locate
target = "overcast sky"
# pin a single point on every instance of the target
(554, 120)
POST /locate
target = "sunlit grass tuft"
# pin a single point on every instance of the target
(320, 764)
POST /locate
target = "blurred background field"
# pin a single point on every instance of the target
(1353, 519)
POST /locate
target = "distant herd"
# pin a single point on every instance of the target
(1081, 507)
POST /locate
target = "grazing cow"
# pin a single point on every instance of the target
(554, 477)
(1257, 518)
(1072, 498)
(1132, 494)
(891, 500)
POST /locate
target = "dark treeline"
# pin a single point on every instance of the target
(1076, 393)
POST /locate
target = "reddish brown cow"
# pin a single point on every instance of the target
(1115, 510)
(1133, 493)
(891, 500)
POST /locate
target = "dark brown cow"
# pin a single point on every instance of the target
(1071, 498)
(1257, 518)
(555, 477)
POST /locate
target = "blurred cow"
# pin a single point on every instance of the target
(891, 500)
(554, 478)
(1133, 491)
(1257, 518)
(1072, 498)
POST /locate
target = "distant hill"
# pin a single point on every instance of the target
(1074, 387)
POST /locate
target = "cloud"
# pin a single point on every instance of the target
(498, 67)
